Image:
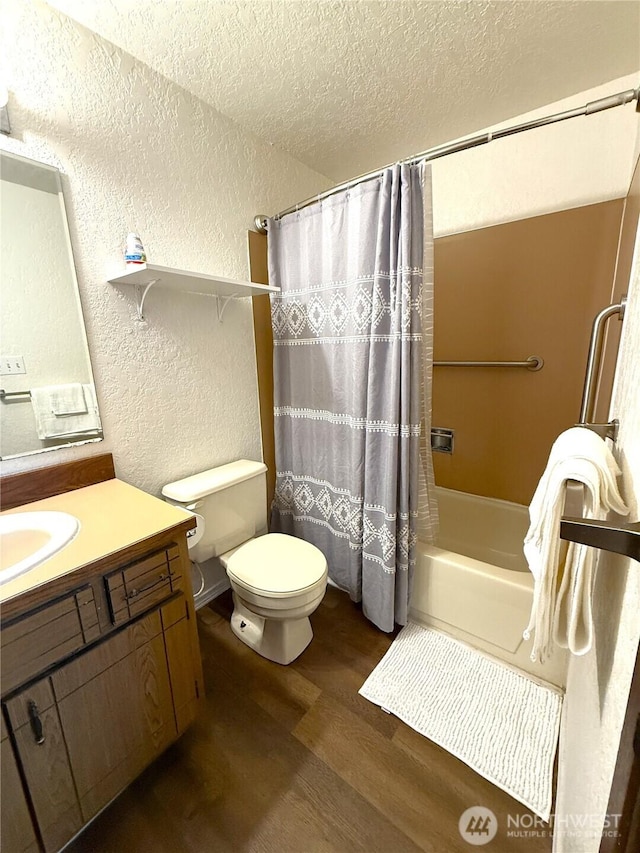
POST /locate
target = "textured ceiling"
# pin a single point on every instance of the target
(346, 87)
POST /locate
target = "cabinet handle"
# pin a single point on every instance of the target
(136, 592)
(36, 723)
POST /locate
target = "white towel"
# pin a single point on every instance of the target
(48, 403)
(92, 403)
(67, 399)
(581, 455)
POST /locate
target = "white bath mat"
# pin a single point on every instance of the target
(501, 723)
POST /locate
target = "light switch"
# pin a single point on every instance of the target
(10, 364)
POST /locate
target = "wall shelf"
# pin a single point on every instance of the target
(224, 289)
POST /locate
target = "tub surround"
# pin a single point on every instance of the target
(474, 583)
(101, 663)
(518, 283)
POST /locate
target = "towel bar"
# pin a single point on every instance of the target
(607, 535)
(4, 394)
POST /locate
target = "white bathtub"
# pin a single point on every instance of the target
(475, 584)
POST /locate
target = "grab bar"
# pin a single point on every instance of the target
(616, 536)
(534, 362)
(592, 373)
(4, 394)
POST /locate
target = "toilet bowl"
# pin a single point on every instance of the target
(277, 580)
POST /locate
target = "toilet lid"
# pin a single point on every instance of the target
(277, 563)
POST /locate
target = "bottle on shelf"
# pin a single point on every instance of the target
(134, 253)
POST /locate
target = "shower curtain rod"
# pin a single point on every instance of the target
(618, 100)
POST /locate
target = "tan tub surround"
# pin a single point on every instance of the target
(101, 666)
(529, 287)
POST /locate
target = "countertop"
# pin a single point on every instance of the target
(113, 515)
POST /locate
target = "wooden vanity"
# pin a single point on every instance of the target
(100, 664)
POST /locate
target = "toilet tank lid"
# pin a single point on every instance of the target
(207, 482)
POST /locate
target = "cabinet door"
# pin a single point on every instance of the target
(183, 657)
(17, 834)
(45, 763)
(116, 710)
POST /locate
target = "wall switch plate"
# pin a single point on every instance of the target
(11, 364)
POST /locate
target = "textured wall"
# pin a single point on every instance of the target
(557, 167)
(349, 86)
(177, 394)
(598, 683)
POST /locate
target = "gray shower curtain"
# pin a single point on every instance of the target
(352, 349)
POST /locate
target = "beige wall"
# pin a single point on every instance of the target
(556, 167)
(530, 287)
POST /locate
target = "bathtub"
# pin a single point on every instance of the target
(475, 585)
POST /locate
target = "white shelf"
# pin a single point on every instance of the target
(148, 275)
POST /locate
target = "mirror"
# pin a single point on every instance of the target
(47, 393)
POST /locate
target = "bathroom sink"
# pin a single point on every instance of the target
(27, 539)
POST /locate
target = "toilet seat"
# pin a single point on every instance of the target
(276, 566)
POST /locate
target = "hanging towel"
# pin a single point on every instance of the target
(48, 403)
(92, 403)
(580, 455)
(67, 399)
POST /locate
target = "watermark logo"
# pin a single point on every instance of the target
(478, 825)
(592, 826)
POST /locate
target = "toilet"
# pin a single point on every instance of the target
(277, 580)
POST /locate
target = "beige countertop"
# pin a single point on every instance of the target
(112, 516)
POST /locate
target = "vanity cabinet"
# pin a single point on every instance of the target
(96, 684)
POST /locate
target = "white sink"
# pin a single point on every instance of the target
(29, 538)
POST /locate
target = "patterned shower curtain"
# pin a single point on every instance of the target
(352, 330)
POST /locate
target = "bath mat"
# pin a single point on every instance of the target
(501, 723)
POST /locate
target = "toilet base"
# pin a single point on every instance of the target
(279, 640)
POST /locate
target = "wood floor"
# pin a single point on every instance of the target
(292, 760)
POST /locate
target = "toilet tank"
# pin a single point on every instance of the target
(232, 499)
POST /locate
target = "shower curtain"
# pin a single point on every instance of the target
(352, 331)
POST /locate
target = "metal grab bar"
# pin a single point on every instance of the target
(592, 373)
(534, 362)
(4, 394)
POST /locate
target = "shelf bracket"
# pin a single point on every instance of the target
(225, 301)
(141, 294)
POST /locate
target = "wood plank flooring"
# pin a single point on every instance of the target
(292, 760)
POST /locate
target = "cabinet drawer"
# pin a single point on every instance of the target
(89, 665)
(143, 584)
(40, 639)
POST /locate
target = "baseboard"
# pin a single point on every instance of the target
(211, 592)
